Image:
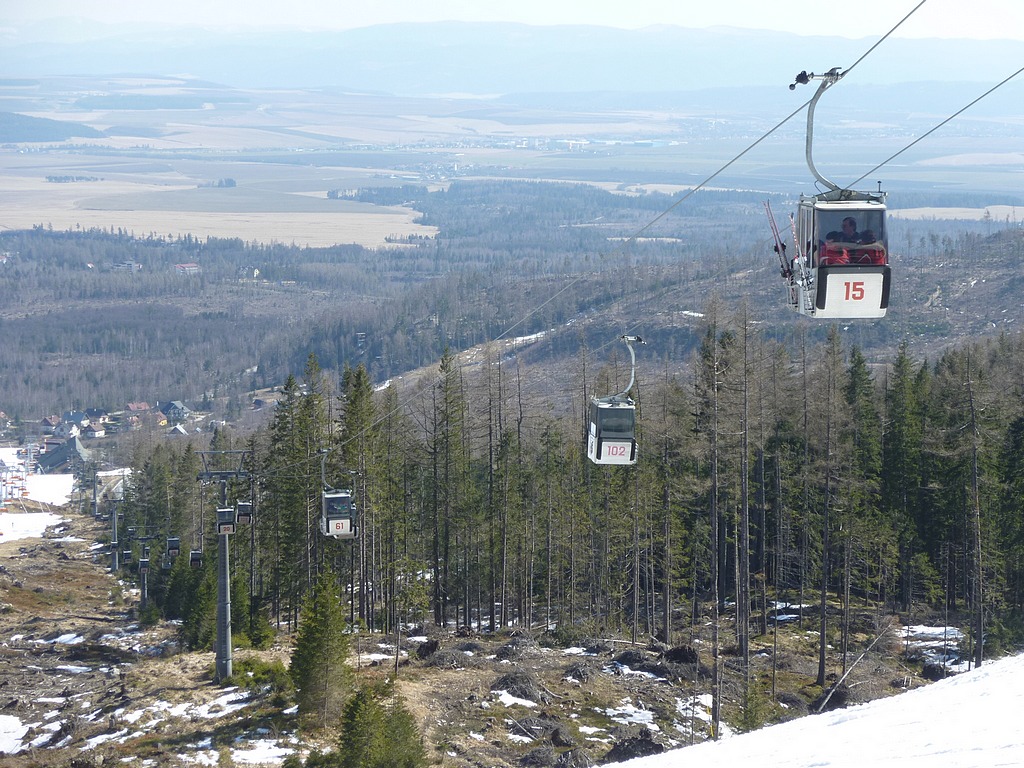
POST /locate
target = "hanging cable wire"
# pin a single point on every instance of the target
(933, 130)
(632, 238)
(883, 38)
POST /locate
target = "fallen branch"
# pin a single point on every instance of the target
(847, 674)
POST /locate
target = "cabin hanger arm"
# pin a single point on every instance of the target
(828, 79)
(630, 340)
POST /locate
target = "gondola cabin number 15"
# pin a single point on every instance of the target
(852, 292)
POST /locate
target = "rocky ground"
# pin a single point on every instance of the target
(82, 684)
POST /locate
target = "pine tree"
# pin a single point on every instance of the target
(185, 503)
(288, 523)
(831, 418)
(279, 533)
(357, 443)
(396, 523)
(319, 663)
(377, 731)
(181, 588)
(861, 530)
(901, 473)
(199, 625)
(1011, 511)
(446, 447)
(715, 359)
(404, 740)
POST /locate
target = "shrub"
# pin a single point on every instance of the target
(150, 615)
(263, 677)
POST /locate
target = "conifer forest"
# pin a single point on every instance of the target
(766, 472)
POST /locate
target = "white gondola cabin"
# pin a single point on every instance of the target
(338, 518)
(243, 512)
(226, 521)
(840, 268)
(611, 429)
(611, 438)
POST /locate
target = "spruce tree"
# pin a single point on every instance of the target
(362, 730)
(199, 625)
(357, 437)
(377, 731)
(403, 738)
(902, 480)
(319, 663)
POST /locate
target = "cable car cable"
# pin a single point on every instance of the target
(924, 135)
(632, 238)
(883, 38)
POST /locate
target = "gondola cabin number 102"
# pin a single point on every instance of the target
(611, 429)
(610, 437)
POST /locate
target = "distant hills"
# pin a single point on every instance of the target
(16, 128)
(494, 58)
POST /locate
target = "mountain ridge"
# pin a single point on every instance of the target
(495, 57)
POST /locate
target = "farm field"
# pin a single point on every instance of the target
(171, 203)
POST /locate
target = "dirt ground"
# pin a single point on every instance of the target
(92, 686)
(78, 671)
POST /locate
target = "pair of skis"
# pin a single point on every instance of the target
(780, 244)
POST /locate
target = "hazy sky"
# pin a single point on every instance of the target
(982, 19)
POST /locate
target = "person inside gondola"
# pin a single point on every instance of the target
(873, 251)
(832, 253)
(850, 234)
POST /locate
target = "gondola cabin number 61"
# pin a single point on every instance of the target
(338, 518)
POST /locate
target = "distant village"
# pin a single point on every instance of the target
(69, 442)
(63, 442)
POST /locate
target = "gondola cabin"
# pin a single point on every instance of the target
(338, 519)
(243, 512)
(611, 433)
(841, 269)
(225, 521)
(195, 558)
(173, 546)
